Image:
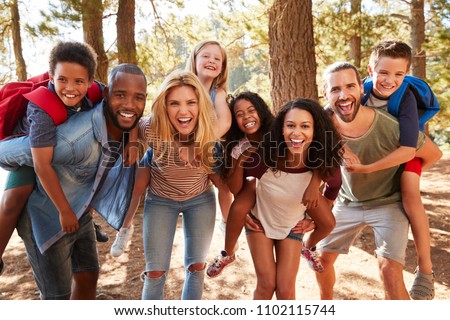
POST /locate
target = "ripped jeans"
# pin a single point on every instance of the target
(159, 226)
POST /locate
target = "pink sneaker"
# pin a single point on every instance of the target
(220, 262)
(312, 256)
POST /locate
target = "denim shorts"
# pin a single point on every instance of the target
(291, 235)
(24, 176)
(74, 252)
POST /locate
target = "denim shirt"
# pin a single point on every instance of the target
(79, 159)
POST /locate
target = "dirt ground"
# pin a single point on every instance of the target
(357, 274)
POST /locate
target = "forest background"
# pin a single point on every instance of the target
(277, 48)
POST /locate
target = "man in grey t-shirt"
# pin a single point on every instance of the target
(365, 199)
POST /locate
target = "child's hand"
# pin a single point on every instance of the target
(69, 221)
(358, 168)
(304, 225)
(350, 157)
(310, 197)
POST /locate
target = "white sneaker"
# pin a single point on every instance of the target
(122, 238)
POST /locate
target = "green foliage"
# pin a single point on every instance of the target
(438, 64)
(5, 44)
(334, 25)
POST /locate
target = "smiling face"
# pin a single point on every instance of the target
(388, 75)
(247, 117)
(343, 92)
(298, 131)
(71, 82)
(125, 97)
(183, 109)
(208, 61)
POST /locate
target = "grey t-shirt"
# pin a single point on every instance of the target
(380, 187)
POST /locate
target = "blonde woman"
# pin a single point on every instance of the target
(175, 168)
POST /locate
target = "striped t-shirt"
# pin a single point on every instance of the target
(170, 177)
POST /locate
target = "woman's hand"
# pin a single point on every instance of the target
(253, 225)
(304, 225)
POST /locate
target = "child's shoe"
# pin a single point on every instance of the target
(423, 286)
(101, 236)
(312, 256)
(122, 238)
(220, 262)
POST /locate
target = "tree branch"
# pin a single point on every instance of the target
(158, 22)
(401, 17)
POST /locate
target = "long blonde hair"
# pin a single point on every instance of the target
(221, 80)
(162, 130)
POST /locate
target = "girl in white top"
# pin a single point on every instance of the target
(303, 139)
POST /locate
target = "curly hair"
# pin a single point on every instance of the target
(76, 52)
(235, 134)
(325, 150)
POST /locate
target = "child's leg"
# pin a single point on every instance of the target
(18, 188)
(412, 203)
(244, 201)
(143, 176)
(324, 221)
(224, 195)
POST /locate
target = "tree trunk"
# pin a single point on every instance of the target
(21, 67)
(92, 16)
(417, 23)
(126, 45)
(291, 50)
(355, 39)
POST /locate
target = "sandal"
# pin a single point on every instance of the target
(423, 286)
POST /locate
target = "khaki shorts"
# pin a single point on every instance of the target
(389, 223)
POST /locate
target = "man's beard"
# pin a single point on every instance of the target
(114, 118)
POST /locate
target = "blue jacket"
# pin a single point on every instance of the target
(78, 159)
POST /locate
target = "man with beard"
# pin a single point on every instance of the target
(366, 199)
(87, 159)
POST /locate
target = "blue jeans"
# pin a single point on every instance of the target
(160, 223)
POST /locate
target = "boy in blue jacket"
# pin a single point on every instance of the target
(71, 71)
